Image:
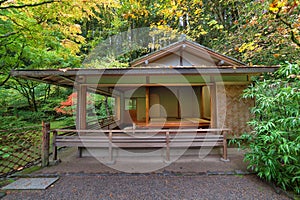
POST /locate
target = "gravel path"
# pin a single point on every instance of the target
(152, 186)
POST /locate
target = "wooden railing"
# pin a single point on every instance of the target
(138, 138)
(95, 124)
(102, 123)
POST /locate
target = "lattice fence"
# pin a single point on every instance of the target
(19, 148)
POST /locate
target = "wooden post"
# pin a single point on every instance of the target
(225, 145)
(54, 145)
(45, 143)
(201, 102)
(178, 104)
(122, 108)
(168, 146)
(147, 105)
(110, 150)
(118, 108)
(213, 103)
(81, 112)
(180, 57)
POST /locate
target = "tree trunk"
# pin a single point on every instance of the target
(34, 103)
(27, 89)
(47, 92)
(106, 106)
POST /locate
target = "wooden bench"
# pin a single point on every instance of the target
(165, 138)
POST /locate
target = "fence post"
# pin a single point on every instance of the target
(45, 143)
(168, 146)
(54, 145)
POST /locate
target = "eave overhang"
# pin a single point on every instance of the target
(94, 77)
(144, 71)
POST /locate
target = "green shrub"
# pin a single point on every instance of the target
(31, 116)
(11, 122)
(273, 146)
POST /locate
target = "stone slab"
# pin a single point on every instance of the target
(31, 184)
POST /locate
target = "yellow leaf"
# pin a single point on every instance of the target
(72, 46)
(276, 55)
(273, 9)
(257, 35)
(281, 3)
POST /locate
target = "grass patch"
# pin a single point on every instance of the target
(62, 122)
(239, 175)
(29, 170)
(6, 182)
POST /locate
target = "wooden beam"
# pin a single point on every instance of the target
(149, 85)
(97, 90)
(68, 79)
(233, 83)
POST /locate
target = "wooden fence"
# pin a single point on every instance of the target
(28, 146)
(19, 148)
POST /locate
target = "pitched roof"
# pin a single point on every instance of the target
(145, 68)
(188, 52)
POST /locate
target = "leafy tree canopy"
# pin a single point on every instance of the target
(43, 34)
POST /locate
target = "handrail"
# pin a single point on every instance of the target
(142, 130)
(109, 119)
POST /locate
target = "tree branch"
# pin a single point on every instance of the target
(8, 34)
(2, 1)
(293, 37)
(6, 79)
(14, 67)
(28, 5)
(289, 25)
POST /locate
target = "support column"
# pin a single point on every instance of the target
(213, 105)
(81, 112)
(81, 107)
(45, 144)
(178, 104)
(201, 103)
(118, 107)
(147, 105)
(122, 108)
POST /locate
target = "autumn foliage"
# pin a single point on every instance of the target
(68, 107)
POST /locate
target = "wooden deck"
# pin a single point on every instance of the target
(175, 123)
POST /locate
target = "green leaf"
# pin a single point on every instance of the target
(6, 155)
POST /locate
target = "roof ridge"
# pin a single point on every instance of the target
(187, 41)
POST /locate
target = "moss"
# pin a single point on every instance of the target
(29, 170)
(6, 182)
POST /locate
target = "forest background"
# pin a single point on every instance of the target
(58, 34)
(55, 34)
